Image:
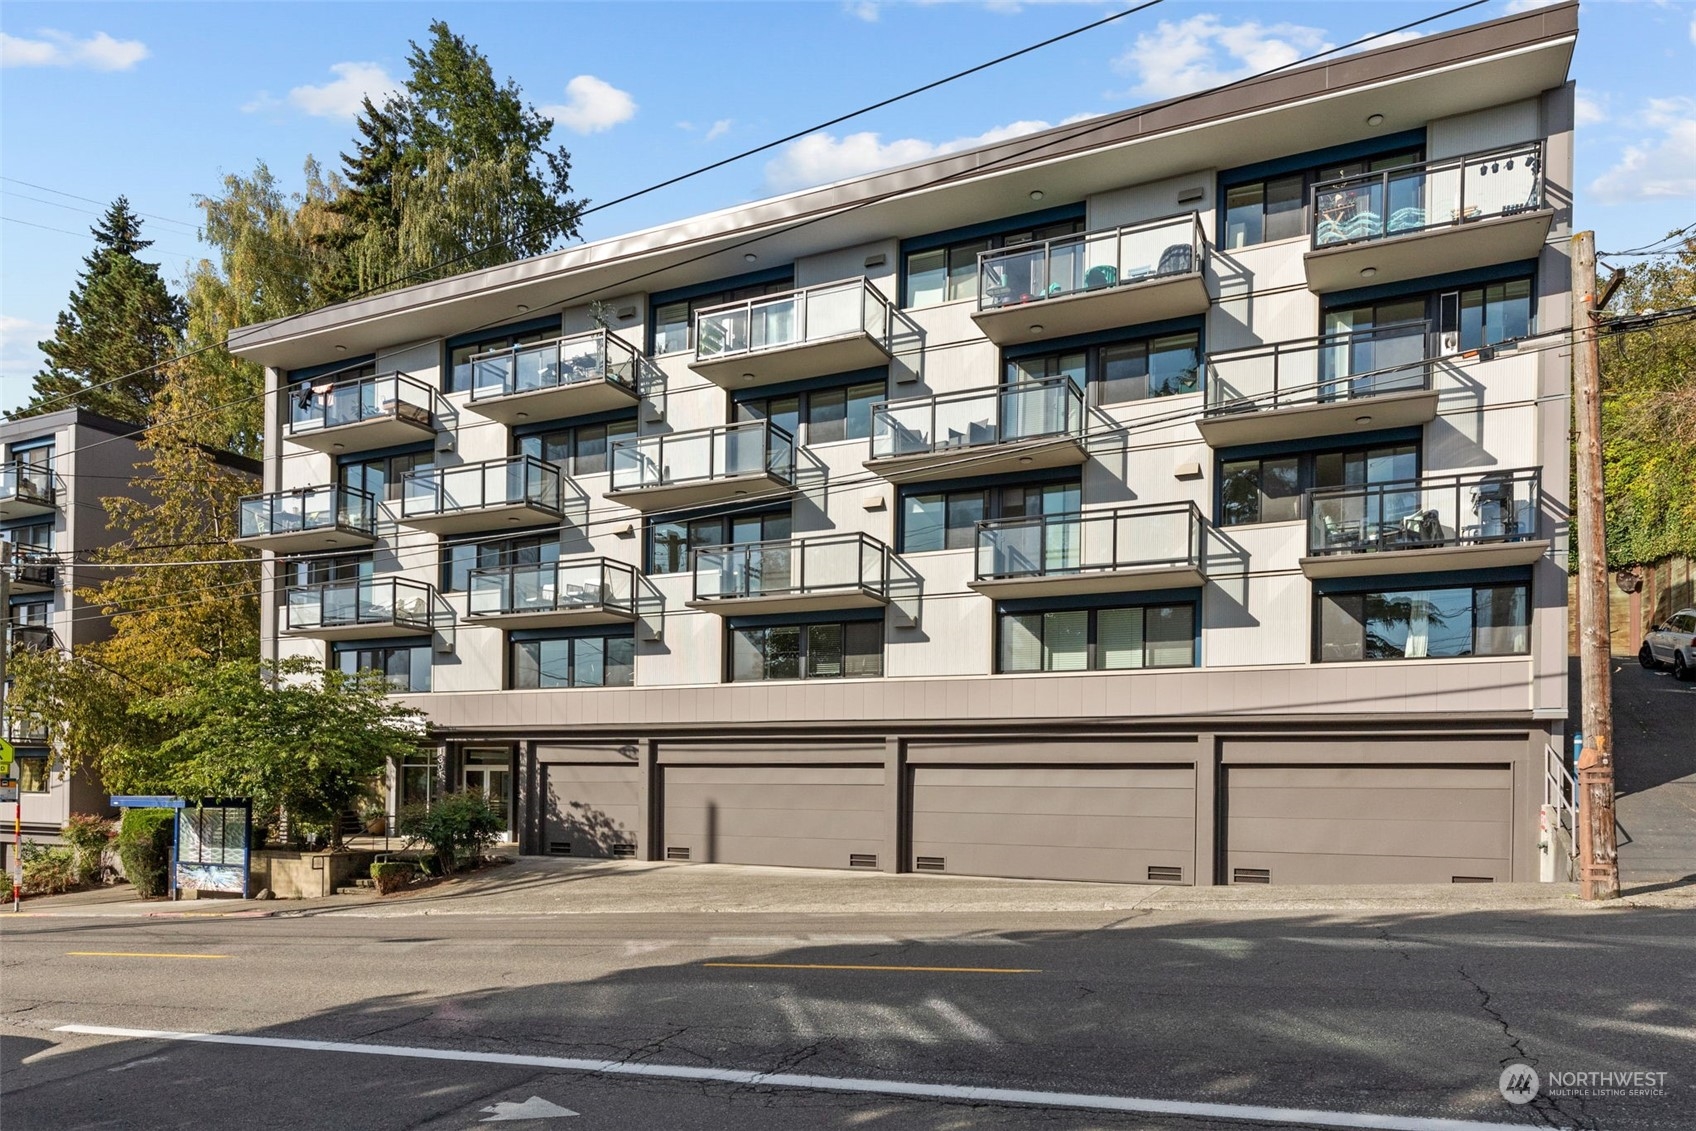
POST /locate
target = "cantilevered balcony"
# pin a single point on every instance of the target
(26, 730)
(829, 571)
(1438, 523)
(32, 636)
(1414, 221)
(1125, 550)
(361, 609)
(308, 518)
(482, 496)
(673, 470)
(830, 328)
(571, 376)
(554, 594)
(362, 414)
(28, 489)
(1327, 386)
(1093, 281)
(34, 571)
(1030, 425)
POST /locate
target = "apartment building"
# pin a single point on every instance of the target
(1172, 497)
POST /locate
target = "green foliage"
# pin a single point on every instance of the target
(144, 847)
(392, 875)
(460, 827)
(89, 837)
(48, 869)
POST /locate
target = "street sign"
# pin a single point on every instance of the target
(8, 792)
(7, 753)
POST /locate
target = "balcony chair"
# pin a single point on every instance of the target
(1100, 276)
(1179, 259)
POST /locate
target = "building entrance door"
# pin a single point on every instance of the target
(489, 771)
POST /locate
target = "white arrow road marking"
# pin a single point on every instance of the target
(967, 1092)
(533, 1108)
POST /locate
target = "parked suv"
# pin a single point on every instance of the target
(1672, 643)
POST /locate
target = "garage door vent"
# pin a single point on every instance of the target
(1251, 875)
(624, 852)
(1472, 879)
(676, 853)
(930, 864)
(1162, 875)
(559, 848)
(862, 860)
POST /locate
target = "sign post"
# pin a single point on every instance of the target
(12, 791)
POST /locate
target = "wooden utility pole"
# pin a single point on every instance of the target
(1598, 855)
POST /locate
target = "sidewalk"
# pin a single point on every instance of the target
(540, 886)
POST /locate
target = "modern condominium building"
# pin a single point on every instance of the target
(1176, 496)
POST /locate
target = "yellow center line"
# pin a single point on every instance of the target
(907, 969)
(136, 954)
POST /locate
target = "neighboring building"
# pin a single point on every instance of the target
(1177, 496)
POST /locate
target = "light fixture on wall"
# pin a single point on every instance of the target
(341, 349)
(750, 257)
(523, 308)
(1375, 119)
(877, 260)
(1036, 327)
(1036, 194)
(1368, 272)
(1025, 459)
(1363, 420)
(747, 376)
(626, 313)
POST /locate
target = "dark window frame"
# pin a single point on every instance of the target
(727, 521)
(995, 504)
(1094, 607)
(412, 647)
(1310, 168)
(1426, 583)
(1307, 453)
(844, 385)
(503, 547)
(1095, 346)
(603, 633)
(802, 624)
(538, 437)
(530, 331)
(717, 292)
(993, 234)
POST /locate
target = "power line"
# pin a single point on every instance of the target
(84, 236)
(91, 200)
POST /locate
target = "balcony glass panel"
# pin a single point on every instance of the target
(1004, 414)
(791, 567)
(334, 404)
(812, 314)
(750, 448)
(1090, 261)
(1435, 194)
(373, 601)
(1123, 539)
(29, 482)
(311, 508)
(523, 480)
(553, 587)
(596, 356)
(1337, 367)
(1423, 514)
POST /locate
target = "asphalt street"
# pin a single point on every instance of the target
(1181, 1020)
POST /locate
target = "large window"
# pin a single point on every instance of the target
(1269, 488)
(343, 567)
(674, 322)
(836, 650)
(580, 450)
(670, 540)
(405, 666)
(460, 558)
(33, 773)
(382, 475)
(602, 659)
(842, 413)
(946, 519)
(459, 356)
(36, 538)
(1131, 370)
(949, 273)
(1412, 624)
(1466, 318)
(1075, 640)
(1275, 208)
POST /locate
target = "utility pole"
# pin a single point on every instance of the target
(6, 560)
(1598, 855)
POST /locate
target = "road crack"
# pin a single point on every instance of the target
(1546, 1108)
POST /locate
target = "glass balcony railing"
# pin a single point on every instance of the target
(32, 636)
(733, 450)
(1161, 536)
(34, 568)
(792, 567)
(1341, 367)
(514, 482)
(388, 396)
(554, 587)
(598, 356)
(794, 318)
(29, 483)
(1423, 514)
(26, 730)
(374, 602)
(1005, 414)
(307, 509)
(1430, 195)
(1090, 261)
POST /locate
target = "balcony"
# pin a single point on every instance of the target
(308, 518)
(1454, 214)
(482, 496)
(676, 470)
(28, 489)
(361, 609)
(1327, 386)
(836, 571)
(34, 571)
(1021, 427)
(571, 376)
(830, 328)
(362, 414)
(1125, 550)
(1449, 522)
(554, 594)
(1093, 281)
(33, 637)
(26, 730)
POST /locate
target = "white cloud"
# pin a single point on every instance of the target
(1202, 51)
(592, 105)
(719, 128)
(99, 52)
(341, 96)
(1588, 112)
(1661, 166)
(19, 359)
(862, 9)
(823, 157)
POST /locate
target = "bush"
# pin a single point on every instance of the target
(90, 836)
(459, 826)
(392, 875)
(144, 847)
(48, 870)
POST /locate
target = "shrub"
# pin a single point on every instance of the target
(392, 875)
(144, 847)
(90, 836)
(48, 869)
(459, 826)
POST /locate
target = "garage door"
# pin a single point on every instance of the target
(1367, 824)
(591, 810)
(797, 816)
(1119, 824)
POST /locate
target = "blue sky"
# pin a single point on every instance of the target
(158, 101)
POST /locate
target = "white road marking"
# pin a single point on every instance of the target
(533, 1108)
(950, 1092)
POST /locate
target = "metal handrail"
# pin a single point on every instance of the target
(1368, 197)
(642, 461)
(1560, 792)
(744, 565)
(1334, 377)
(891, 437)
(505, 582)
(1416, 514)
(31, 482)
(287, 512)
(514, 370)
(330, 601)
(1057, 544)
(341, 403)
(735, 323)
(1089, 272)
(426, 492)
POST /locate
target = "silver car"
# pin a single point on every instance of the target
(1672, 643)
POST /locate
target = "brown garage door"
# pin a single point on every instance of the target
(1367, 824)
(1114, 823)
(591, 810)
(797, 816)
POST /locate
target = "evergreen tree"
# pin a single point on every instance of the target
(120, 323)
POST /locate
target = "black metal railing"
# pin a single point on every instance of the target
(1429, 195)
(306, 509)
(1001, 414)
(584, 584)
(792, 567)
(1393, 358)
(1423, 514)
(1156, 536)
(728, 451)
